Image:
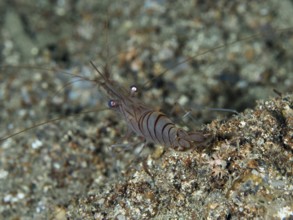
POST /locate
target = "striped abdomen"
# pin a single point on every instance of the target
(156, 127)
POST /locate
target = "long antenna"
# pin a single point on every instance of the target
(250, 37)
(47, 122)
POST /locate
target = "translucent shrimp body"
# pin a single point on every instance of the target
(153, 126)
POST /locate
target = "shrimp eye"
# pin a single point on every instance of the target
(112, 104)
(133, 90)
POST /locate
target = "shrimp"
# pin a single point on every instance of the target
(153, 126)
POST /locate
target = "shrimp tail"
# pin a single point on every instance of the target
(197, 137)
(185, 140)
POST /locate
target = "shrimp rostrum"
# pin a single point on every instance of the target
(154, 126)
